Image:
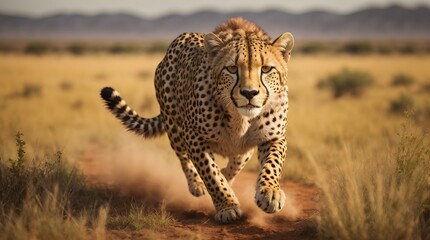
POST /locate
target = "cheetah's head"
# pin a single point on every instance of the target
(248, 69)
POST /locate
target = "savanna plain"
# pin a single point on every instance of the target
(357, 165)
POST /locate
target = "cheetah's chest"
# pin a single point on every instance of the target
(271, 124)
(230, 143)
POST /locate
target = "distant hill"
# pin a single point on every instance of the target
(394, 22)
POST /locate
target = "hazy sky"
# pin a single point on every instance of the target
(153, 8)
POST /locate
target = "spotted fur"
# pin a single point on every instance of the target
(223, 92)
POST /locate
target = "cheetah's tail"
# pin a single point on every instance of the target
(147, 127)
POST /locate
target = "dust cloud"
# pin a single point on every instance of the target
(142, 171)
(155, 174)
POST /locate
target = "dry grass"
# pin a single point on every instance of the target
(383, 196)
(54, 100)
(49, 199)
(66, 119)
(49, 219)
(319, 124)
(138, 218)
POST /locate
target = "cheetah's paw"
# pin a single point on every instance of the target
(228, 215)
(270, 200)
(197, 189)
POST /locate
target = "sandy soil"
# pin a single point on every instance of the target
(194, 216)
(299, 224)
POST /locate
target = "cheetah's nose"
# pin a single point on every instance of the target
(249, 94)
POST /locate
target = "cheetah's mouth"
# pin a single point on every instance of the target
(249, 106)
(249, 110)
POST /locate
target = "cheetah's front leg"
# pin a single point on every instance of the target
(223, 197)
(269, 196)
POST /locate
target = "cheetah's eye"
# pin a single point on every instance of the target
(266, 69)
(231, 69)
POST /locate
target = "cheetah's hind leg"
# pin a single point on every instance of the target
(235, 165)
(195, 184)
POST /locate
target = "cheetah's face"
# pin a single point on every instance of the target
(248, 72)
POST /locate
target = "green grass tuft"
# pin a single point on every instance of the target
(17, 167)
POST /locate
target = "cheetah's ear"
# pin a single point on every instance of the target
(284, 44)
(212, 44)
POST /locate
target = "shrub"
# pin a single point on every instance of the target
(123, 48)
(77, 48)
(42, 176)
(357, 48)
(409, 48)
(28, 90)
(31, 90)
(37, 48)
(347, 82)
(403, 103)
(402, 80)
(37, 197)
(312, 48)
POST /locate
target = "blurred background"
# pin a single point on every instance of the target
(359, 76)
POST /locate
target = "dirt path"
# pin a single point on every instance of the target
(295, 221)
(194, 216)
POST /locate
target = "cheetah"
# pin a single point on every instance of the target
(223, 92)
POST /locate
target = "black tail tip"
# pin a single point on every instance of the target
(106, 93)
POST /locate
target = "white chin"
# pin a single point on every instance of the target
(249, 112)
